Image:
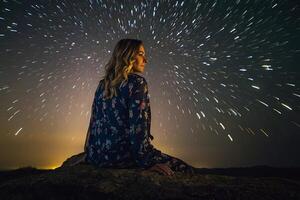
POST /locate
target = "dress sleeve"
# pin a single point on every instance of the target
(140, 146)
(87, 139)
(92, 119)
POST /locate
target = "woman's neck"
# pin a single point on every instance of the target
(138, 73)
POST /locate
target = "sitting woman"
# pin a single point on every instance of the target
(119, 131)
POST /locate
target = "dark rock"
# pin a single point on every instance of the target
(83, 181)
(74, 160)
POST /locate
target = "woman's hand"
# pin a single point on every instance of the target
(162, 168)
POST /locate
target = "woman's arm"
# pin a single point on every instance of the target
(86, 140)
(86, 143)
(140, 146)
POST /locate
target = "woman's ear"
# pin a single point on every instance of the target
(132, 61)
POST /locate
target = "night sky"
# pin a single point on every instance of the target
(223, 77)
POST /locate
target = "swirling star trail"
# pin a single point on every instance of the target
(222, 75)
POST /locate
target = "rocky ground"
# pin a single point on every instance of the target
(87, 182)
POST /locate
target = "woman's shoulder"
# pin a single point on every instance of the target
(100, 86)
(101, 83)
(136, 78)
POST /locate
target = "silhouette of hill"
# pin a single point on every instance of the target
(84, 181)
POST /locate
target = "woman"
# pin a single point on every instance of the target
(119, 130)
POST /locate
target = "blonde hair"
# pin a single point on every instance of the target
(120, 65)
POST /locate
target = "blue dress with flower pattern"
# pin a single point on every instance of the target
(119, 130)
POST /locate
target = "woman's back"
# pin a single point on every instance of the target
(109, 130)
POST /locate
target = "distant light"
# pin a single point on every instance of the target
(264, 132)
(18, 131)
(256, 87)
(286, 106)
(222, 125)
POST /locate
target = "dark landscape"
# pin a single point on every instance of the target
(87, 182)
(221, 78)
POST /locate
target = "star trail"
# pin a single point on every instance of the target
(223, 77)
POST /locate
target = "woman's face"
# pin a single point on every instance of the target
(140, 60)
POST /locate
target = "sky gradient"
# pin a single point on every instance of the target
(223, 77)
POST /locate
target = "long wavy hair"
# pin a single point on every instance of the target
(120, 65)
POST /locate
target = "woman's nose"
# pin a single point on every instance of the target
(145, 60)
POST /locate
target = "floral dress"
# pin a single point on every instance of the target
(119, 130)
